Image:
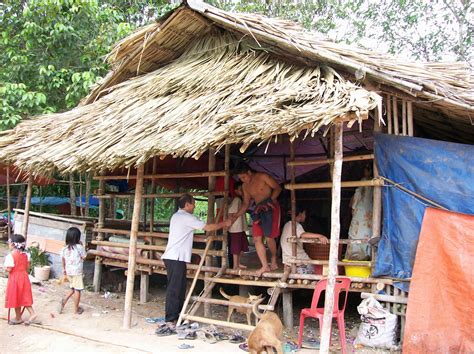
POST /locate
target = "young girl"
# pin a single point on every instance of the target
(238, 238)
(73, 255)
(18, 293)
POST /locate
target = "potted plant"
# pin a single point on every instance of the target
(39, 263)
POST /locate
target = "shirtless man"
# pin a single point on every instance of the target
(264, 190)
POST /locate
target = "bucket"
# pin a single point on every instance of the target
(42, 273)
(362, 271)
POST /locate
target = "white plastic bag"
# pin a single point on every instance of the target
(378, 326)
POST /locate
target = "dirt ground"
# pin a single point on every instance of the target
(99, 328)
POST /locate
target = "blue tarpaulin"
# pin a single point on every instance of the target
(55, 201)
(440, 171)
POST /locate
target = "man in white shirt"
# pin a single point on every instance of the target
(177, 253)
(286, 246)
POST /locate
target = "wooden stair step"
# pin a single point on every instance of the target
(270, 284)
(230, 303)
(206, 320)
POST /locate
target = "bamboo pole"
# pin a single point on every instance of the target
(231, 303)
(88, 193)
(152, 203)
(193, 284)
(377, 209)
(8, 204)
(395, 116)
(321, 262)
(326, 161)
(389, 114)
(81, 208)
(386, 298)
(226, 203)
(404, 117)
(327, 185)
(127, 317)
(241, 282)
(72, 195)
(293, 203)
(341, 241)
(239, 326)
(210, 212)
(410, 118)
(334, 247)
(167, 175)
(26, 215)
(100, 236)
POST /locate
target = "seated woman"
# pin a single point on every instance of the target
(286, 246)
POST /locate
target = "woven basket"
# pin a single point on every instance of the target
(319, 251)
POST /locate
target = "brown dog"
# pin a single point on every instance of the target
(267, 334)
(252, 299)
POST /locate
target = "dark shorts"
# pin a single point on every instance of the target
(238, 242)
(257, 230)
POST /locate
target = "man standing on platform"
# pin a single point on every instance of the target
(177, 253)
(264, 190)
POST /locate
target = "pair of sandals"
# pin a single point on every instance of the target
(165, 330)
(61, 305)
(26, 323)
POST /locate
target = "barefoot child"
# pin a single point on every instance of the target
(73, 255)
(238, 237)
(18, 292)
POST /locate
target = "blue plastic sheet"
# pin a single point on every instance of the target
(440, 171)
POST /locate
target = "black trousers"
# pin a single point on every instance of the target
(176, 288)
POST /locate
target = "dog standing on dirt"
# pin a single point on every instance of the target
(252, 300)
(267, 334)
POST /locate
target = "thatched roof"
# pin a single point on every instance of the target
(205, 78)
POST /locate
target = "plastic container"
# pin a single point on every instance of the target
(356, 271)
(42, 273)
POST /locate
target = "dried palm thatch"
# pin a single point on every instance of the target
(220, 91)
(446, 87)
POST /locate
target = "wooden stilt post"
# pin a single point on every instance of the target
(152, 202)
(410, 118)
(288, 309)
(395, 116)
(334, 247)
(100, 236)
(26, 216)
(377, 205)
(389, 115)
(88, 193)
(8, 204)
(81, 208)
(132, 251)
(293, 204)
(404, 117)
(72, 195)
(226, 203)
(210, 214)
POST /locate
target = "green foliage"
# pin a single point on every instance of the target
(38, 258)
(425, 30)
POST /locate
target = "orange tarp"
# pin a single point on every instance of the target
(440, 312)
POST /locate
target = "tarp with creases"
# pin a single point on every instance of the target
(441, 302)
(440, 171)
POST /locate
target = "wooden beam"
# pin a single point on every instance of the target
(231, 303)
(334, 242)
(386, 298)
(132, 253)
(166, 175)
(376, 210)
(389, 114)
(341, 241)
(242, 282)
(293, 201)
(395, 116)
(322, 262)
(88, 193)
(404, 117)
(410, 118)
(210, 212)
(327, 161)
(326, 185)
(239, 326)
(224, 258)
(26, 217)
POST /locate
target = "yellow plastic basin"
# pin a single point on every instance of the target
(362, 271)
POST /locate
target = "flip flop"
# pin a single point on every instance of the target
(206, 337)
(155, 319)
(79, 311)
(310, 344)
(244, 347)
(35, 321)
(236, 339)
(165, 331)
(185, 346)
(14, 322)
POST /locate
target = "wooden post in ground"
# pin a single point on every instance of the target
(395, 116)
(335, 231)
(144, 283)
(293, 206)
(88, 193)
(26, 215)
(72, 195)
(410, 118)
(288, 308)
(132, 251)
(100, 236)
(389, 115)
(377, 204)
(226, 203)
(210, 214)
(8, 204)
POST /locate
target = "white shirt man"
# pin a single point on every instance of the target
(177, 253)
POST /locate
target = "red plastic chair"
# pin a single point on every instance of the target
(342, 285)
